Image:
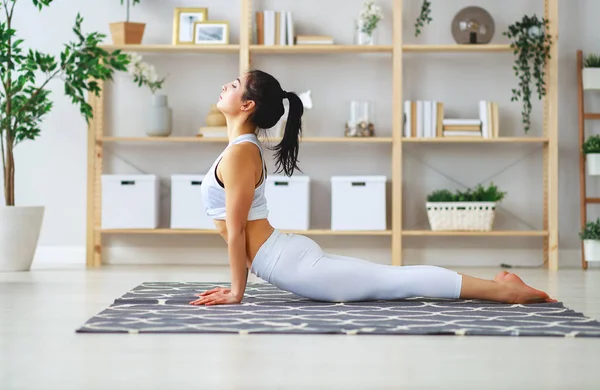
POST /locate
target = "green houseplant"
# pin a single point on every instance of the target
(531, 44)
(424, 17)
(124, 33)
(24, 102)
(590, 235)
(591, 149)
(591, 72)
(468, 210)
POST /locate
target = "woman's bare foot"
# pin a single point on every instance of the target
(519, 292)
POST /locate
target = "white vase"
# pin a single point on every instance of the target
(19, 233)
(591, 250)
(592, 161)
(591, 78)
(362, 38)
(159, 119)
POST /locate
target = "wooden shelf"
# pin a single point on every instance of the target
(225, 140)
(312, 232)
(166, 48)
(493, 233)
(592, 200)
(457, 48)
(477, 139)
(298, 49)
(591, 115)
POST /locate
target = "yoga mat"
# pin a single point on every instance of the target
(163, 307)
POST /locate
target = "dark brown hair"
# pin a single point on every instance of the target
(267, 94)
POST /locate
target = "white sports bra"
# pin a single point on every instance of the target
(213, 191)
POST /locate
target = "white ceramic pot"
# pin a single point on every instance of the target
(591, 250)
(592, 161)
(591, 78)
(19, 232)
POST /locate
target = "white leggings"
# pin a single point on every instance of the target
(297, 264)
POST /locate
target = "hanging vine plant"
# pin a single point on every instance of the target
(531, 43)
(424, 17)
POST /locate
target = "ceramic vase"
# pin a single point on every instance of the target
(159, 117)
(215, 118)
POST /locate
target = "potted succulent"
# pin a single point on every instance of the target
(590, 235)
(24, 101)
(126, 33)
(591, 72)
(531, 47)
(469, 210)
(591, 149)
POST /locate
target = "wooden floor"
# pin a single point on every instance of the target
(39, 349)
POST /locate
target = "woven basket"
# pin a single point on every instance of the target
(463, 216)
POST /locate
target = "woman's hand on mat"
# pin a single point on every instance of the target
(216, 296)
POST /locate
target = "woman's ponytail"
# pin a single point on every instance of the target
(286, 155)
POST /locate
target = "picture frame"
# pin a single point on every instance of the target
(183, 24)
(211, 32)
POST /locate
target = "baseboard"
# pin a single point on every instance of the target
(53, 256)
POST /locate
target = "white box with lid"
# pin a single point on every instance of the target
(187, 209)
(130, 201)
(358, 203)
(288, 200)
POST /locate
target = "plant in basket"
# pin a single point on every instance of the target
(591, 149)
(468, 210)
(590, 235)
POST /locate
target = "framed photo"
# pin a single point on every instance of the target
(183, 24)
(211, 32)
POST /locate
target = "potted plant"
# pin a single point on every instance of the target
(125, 33)
(159, 118)
(469, 210)
(590, 235)
(24, 101)
(591, 149)
(367, 23)
(591, 72)
(531, 46)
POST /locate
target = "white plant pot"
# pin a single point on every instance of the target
(591, 78)
(19, 232)
(591, 250)
(592, 161)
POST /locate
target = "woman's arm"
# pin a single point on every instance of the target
(238, 171)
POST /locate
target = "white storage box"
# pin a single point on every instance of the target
(130, 201)
(358, 203)
(187, 209)
(461, 216)
(288, 200)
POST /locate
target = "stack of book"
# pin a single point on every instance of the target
(274, 28)
(461, 128)
(212, 132)
(423, 119)
(314, 40)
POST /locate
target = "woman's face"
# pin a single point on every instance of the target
(230, 100)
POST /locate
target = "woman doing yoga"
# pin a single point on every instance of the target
(233, 194)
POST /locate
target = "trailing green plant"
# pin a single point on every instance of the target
(592, 61)
(129, 4)
(591, 145)
(591, 230)
(478, 194)
(531, 44)
(424, 17)
(24, 101)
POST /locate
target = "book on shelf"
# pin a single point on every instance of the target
(314, 40)
(423, 118)
(490, 122)
(212, 132)
(274, 28)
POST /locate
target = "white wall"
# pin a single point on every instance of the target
(52, 170)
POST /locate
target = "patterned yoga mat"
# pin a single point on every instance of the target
(162, 307)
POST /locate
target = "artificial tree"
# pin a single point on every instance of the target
(24, 101)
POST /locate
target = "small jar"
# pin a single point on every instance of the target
(360, 121)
